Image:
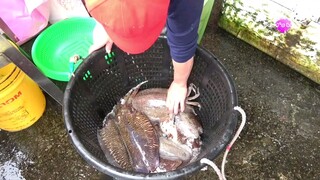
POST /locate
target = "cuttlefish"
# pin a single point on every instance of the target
(128, 138)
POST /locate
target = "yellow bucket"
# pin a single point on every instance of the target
(22, 102)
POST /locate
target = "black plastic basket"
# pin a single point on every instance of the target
(100, 82)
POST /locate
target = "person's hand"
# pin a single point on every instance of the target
(176, 97)
(177, 92)
(100, 38)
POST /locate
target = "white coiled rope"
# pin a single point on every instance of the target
(221, 173)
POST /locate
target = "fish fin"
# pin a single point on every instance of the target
(113, 147)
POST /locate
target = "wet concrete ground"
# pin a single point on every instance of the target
(281, 139)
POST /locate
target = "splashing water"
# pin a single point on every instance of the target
(11, 168)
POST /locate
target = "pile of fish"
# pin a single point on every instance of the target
(140, 135)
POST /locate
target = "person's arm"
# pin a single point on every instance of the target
(178, 89)
(182, 71)
(182, 33)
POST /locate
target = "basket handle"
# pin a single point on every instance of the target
(221, 173)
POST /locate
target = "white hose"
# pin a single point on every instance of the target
(213, 165)
(221, 173)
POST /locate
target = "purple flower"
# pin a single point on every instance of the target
(283, 25)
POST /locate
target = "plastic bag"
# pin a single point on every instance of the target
(25, 18)
(62, 9)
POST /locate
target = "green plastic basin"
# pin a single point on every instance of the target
(54, 46)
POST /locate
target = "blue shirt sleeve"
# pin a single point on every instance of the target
(182, 28)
